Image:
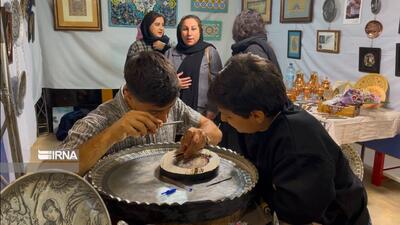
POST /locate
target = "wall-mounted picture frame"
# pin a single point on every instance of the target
(369, 60)
(328, 41)
(263, 7)
(352, 11)
(294, 44)
(397, 70)
(77, 15)
(296, 11)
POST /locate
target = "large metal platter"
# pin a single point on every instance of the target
(52, 196)
(130, 183)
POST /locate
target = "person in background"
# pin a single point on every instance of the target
(135, 116)
(152, 35)
(195, 59)
(250, 36)
(303, 174)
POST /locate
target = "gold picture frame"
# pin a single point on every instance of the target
(263, 7)
(77, 15)
(296, 11)
(328, 41)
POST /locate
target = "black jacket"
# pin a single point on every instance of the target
(304, 175)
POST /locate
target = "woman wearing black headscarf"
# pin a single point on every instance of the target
(195, 59)
(152, 29)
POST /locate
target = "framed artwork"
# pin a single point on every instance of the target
(212, 30)
(77, 15)
(352, 11)
(211, 6)
(328, 41)
(263, 7)
(369, 60)
(294, 44)
(7, 30)
(296, 11)
(130, 13)
(397, 72)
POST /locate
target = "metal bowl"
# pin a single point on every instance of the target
(130, 183)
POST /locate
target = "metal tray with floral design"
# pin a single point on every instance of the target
(135, 192)
(52, 197)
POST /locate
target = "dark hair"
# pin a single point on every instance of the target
(247, 24)
(151, 78)
(247, 83)
(179, 28)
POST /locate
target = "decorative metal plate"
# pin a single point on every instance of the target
(375, 6)
(16, 19)
(52, 197)
(373, 29)
(329, 10)
(129, 180)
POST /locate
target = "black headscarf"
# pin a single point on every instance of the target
(260, 40)
(190, 66)
(148, 38)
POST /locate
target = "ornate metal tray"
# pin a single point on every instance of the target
(52, 197)
(130, 183)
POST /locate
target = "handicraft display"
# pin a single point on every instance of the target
(375, 6)
(130, 13)
(7, 30)
(77, 15)
(328, 41)
(263, 7)
(212, 30)
(369, 60)
(296, 11)
(211, 6)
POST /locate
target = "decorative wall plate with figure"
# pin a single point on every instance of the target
(373, 29)
(329, 10)
(52, 197)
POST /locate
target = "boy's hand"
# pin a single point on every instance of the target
(134, 124)
(192, 141)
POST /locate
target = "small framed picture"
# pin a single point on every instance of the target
(263, 7)
(77, 15)
(294, 44)
(328, 41)
(296, 11)
(369, 60)
(397, 72)
(352, 11)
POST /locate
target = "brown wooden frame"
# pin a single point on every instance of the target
(60, 22)
(267, 16)
(306, 19)
(336, 45)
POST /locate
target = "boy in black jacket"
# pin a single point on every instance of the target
(304, 177)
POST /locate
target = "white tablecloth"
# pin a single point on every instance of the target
(371, 124)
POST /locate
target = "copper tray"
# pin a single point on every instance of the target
(130, 184)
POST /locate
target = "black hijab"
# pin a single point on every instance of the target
(148, 38)
(190, 66)
(260, 40)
